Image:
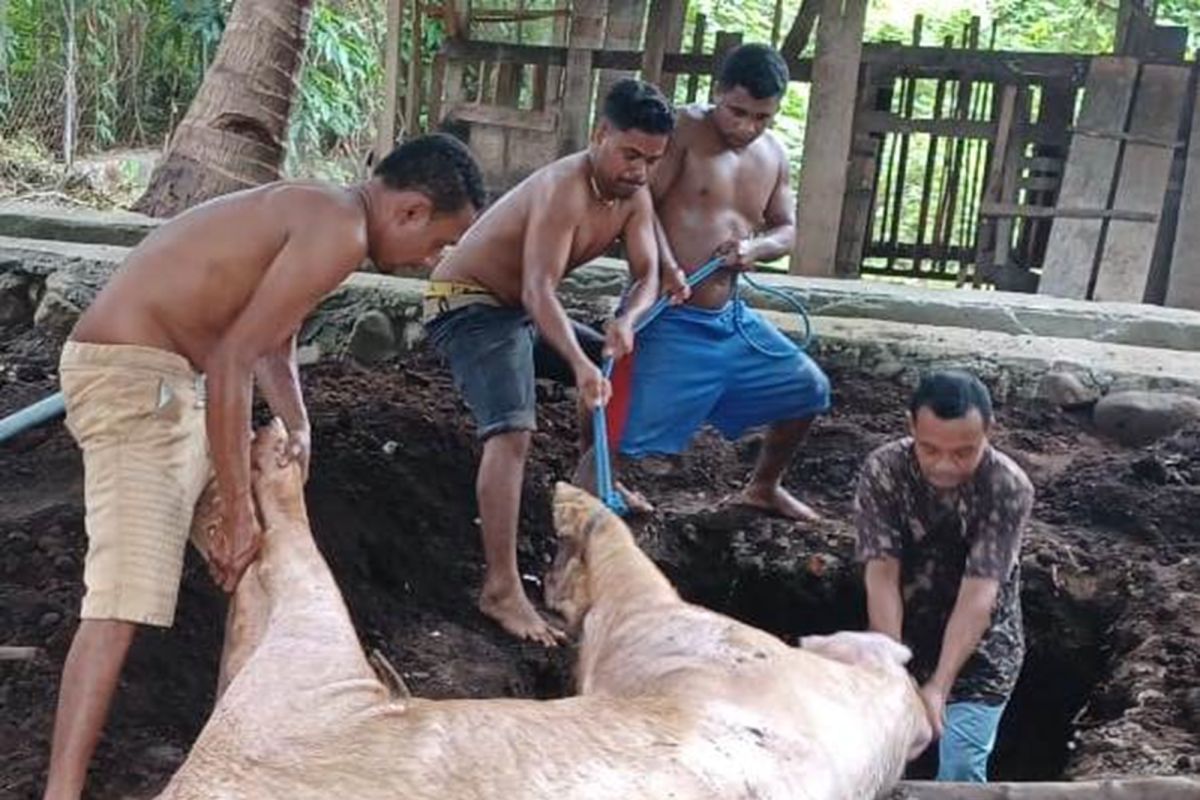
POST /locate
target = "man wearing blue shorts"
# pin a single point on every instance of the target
(722, 190)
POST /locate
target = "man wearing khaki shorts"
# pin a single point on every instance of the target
(221, 291)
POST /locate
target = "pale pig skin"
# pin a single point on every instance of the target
(675, 701)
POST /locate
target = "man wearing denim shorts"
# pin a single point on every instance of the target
(940, 515)
(213, 299)
(722, 190)
(488, 295)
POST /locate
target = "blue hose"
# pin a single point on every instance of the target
(43, 410)
(604, 482)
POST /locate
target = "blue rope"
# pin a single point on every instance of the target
(604, 482)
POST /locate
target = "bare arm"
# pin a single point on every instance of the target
(546, 251)
(885, 606)
(314, 259)
(968, 622)
(642, 251)
(278, 378)
(778, 237)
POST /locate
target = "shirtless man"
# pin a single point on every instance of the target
(488, 294)
(722, 190)
(219, 291)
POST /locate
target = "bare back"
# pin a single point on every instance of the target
(184, 285)
(707, 194)
(530, 217)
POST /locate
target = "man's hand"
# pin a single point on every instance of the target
(594, 388)
(934, 698)
(299, 449)
(739, 254)
(235, 546)
(675, 285)
(618, 337)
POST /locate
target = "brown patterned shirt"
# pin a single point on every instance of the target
(940, 537)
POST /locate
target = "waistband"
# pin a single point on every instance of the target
(442, 297)
(126, 356)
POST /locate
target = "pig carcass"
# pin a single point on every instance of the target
(674, 701)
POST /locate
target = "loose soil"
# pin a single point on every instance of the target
(1111, 594)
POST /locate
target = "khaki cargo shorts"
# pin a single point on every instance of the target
(138, 415)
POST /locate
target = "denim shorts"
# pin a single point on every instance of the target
(490, 352)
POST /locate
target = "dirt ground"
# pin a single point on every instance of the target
(1111, 594)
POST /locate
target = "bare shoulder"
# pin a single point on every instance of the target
(689, 120)
(773, 148)
(561, 186)
(316, 209)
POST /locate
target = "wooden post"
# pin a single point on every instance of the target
(1135, 24)
(726, 41)
(693, 83)
(908, 99)
(861, 181)
(587, 35)
(385, 129)
(675, 23)
(776, 22)
(828, 135)
(797, 36)
(412, 106)
(554, 75)
(624, 32)
(70, 106)
(656, 38)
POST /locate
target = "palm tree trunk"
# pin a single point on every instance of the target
(234, 132)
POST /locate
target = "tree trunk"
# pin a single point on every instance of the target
(234, 132)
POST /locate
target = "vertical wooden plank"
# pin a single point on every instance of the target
(828, 135)
(1088, 177)
(693, 83)
(626, 18)
(1013, 156)
(385, 128)
(726, 41)
(802, 26)
(675, 24)
(1129, 248)
(657, 33)
(554, 75)
(908, 94)
(1054, 113)
(939, 99)
(1183, 283)
(437, 89)
(508, 84)
(860, 181)
(776, 22)
(412, 106)
(986, 240)
(587, 34)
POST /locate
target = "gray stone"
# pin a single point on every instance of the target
(1067, 390)
(68, 292)
(16, 305)
(1137, 418)
(373, 338)
(36, 221)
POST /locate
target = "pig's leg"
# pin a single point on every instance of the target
(245, 625)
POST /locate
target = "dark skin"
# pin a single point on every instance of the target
(226, 285)
(722, 191)
(520, 250)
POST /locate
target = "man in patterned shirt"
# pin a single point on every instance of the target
(940, 515)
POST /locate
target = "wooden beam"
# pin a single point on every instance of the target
(1183, 282)
(1178, 788)
(1129, 248)
(1072, 249)
(586, 37)
(544, 121)
(911, 62)
(1010, 210)
(385, 128)
(828, 135)
(412, 94)
(802, 28)
(626, 19)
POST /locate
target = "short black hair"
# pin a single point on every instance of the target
(634, 104)
(951, 394)
(759, 69)
(440, 167)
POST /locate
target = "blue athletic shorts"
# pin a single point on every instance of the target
(694, 365)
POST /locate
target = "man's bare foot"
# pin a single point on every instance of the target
(513, 612)
(636, 501)
(775, 500)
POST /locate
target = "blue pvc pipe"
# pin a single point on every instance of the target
(29, 417)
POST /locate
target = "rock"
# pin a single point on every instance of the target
(68, 292)
(49, 619)
(16, 306)
(1137, 418)
(308, 354)
(1066, 390)
(373, 338)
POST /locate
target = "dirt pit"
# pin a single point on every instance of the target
(1111, 594)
